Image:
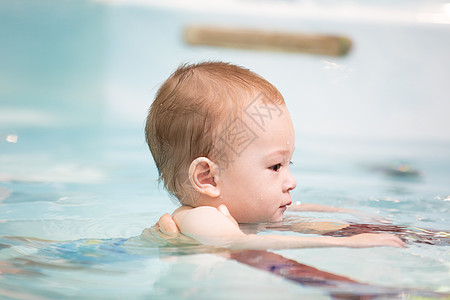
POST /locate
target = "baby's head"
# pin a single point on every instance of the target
(203, 111)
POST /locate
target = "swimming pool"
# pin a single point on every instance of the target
(78, 185)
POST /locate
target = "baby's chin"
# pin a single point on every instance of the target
(269, 219)
(277, 217)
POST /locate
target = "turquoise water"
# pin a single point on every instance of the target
(91, 195)
(78, 185)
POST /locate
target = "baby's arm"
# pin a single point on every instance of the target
(210, 226)
(325, 208)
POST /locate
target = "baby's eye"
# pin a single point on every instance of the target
(276, 167)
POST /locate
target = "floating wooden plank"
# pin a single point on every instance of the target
(320, 44)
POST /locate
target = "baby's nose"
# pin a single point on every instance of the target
(291, 183)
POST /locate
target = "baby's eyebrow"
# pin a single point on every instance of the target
(282, 152)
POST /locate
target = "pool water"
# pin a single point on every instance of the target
(73, 208)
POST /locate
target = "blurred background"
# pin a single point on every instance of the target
(89, 63)
(77, 79)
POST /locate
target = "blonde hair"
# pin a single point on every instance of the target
(190, 109)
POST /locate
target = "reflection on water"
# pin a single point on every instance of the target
(152, 266)
(94, 220)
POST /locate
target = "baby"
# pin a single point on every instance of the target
(222, 140)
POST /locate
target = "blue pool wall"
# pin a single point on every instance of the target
(99, 63)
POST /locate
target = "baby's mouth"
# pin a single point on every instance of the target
(286, 205)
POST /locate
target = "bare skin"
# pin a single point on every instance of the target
(236, 239)
(254, 188)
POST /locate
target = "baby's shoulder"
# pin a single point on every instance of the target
(206, 224)
(198, 212)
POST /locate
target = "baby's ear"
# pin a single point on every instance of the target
(202, 175)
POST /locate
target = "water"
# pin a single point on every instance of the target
(88, 196)
(78, 185)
